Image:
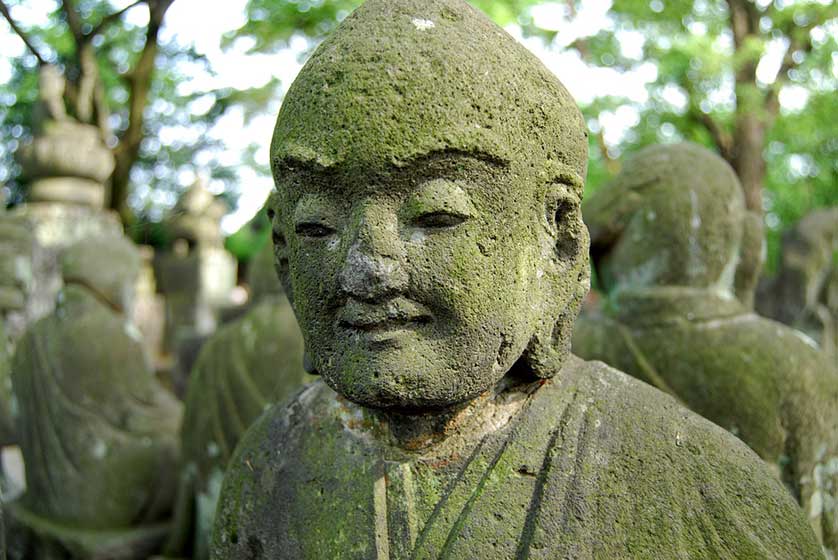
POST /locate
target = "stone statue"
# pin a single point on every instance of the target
(50, 106)
(666, 236)
(197, 216)
(97, 431)
(804, 294)
(16, 283)
(242, 369)
(197, 277)
(67, 161)
(429, 171)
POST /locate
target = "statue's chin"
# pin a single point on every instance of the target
(388, 394)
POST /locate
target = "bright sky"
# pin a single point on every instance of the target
(235, 68)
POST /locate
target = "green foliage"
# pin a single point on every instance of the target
(691, 45)
(249, 240)
(271, 24)
(173, 133)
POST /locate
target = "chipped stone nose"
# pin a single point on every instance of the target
(373, 268)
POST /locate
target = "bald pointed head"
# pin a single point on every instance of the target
(404, 78)
(429, 172)
(674, 216)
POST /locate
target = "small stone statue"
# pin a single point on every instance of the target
(50, 106)
(666, 236)
(429, 171)
(804, 294)
(97, 431)
(196, 218)
(242, 369)
(67, 161)
(198, 277)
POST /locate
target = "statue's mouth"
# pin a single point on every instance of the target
(392, 315)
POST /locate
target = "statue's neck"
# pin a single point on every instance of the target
(418, 432)
(663, 304)
(435, 431)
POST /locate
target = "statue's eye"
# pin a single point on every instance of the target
(313, 230)
(438, 220)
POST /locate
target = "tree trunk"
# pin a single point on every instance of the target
(751, 116)
(140, 78)
(748, 160)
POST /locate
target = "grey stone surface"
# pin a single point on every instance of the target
(667, 235)
(429, 172)
(98, 433)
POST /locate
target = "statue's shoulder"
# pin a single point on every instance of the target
(650, 458)
(284, 426)
(648, 419)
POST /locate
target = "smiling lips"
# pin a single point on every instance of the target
(392, 315)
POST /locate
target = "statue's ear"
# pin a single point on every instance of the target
(563, 215)
(569, 279)
(279, 242)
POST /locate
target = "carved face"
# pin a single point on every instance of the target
(415, 286)
(420, 172)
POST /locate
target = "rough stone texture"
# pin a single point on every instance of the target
(429, 173)
(377, 108)
(98, 433)
(673, 320)
(595, 465)
(804, 294)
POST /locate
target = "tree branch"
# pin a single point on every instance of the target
(74, 21)
(139, 83)
(110, 18)
(721, 138)
(20, 33)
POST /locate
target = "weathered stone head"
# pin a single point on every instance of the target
(106, 266)
(675, 216)
(427, 219)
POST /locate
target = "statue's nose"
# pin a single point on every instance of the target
(374, 266)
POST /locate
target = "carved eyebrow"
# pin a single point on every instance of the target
(292, 164)
(454, 153)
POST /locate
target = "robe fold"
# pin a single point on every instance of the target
(594, 464)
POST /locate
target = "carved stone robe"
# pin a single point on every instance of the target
(593, 465)
(98, 435)
(761, 380)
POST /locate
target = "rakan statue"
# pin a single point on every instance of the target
(666, 237)
(97, 431)
(428, 229)
(804, 293)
